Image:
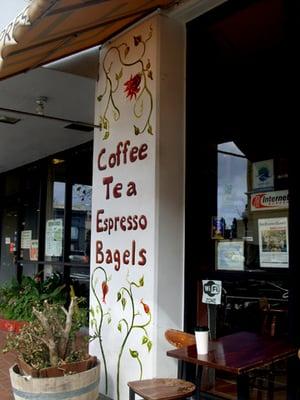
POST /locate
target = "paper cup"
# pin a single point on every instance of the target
(201, 334)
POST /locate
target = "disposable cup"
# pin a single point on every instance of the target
(201, 334)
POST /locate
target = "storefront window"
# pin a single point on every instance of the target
(251, 226)
(81, 224)
(46, 218)
(55, 215)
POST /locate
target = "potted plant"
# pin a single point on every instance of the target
(49, 352)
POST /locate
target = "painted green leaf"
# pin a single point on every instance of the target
(109, 320)
(149, 345)
(150, 74)
(148, 66)
(119, 75)
(133, 353)
(100, 97)
(123, 301)
(120, 327)
(136, 130)
(119, 296)
(144, 340)
(92, 312)
(106, 135)
(116, 115)
(105, 123)
(141, 281)
(149, 130)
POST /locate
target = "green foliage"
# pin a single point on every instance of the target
(17, 299)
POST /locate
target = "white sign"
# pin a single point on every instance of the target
(54, 229)
(7, 240)
(273, 242)
(26, 239)
(212, 291)
(263, 175)
(278, 200)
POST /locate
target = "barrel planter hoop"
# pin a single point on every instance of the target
(80, 386)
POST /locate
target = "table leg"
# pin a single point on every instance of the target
(293, 385)
(199, 370)
(243, 387)
(131, 394)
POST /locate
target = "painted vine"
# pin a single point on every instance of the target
(97, 323)
(124, 296)
(136, 87)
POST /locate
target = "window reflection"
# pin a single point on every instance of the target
(81, 223)
(232, 189)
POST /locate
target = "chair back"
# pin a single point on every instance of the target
(179, 339)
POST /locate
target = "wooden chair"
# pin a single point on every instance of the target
(264, 379)
(168, 388)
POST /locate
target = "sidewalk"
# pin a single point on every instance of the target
(6, 361)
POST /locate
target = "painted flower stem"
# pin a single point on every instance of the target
(129, 292)
(141, 367)
(99, 328)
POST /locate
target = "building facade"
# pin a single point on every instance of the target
(194, 182)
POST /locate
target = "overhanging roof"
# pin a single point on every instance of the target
(47, 30)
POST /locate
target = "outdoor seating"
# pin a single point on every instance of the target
(165, 388)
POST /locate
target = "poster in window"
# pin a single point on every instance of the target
(263, 175)
(217, 228)
(34, 250)
(273, 242)
(26, 239)
(230, 255)
(54, 234)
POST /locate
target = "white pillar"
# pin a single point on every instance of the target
(138, 203)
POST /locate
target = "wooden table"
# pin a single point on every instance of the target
(238, 354)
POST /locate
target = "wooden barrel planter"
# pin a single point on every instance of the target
(80, 386)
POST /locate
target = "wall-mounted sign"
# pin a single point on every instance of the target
(263, 175)
(278, 200)
(212, 291)
(273, 242)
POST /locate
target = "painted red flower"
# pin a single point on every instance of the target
(104, 290)
(146, 307)
(132, 86)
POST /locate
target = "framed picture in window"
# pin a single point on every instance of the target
(273, 242)
(230, 255)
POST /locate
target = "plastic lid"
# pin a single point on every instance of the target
(201, 328)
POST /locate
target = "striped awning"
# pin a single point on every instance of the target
(47, 30)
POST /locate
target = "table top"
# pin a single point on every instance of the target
(238, 353)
